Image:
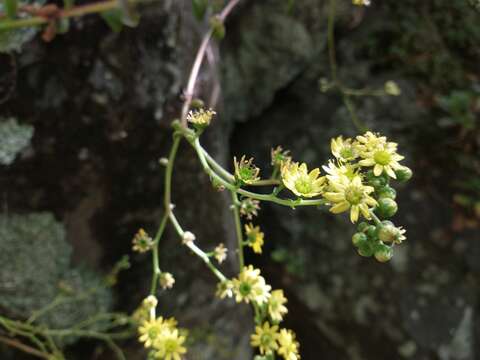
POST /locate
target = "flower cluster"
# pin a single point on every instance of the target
(356, 180)
(250, 287)
(163, 338)
(268, 339)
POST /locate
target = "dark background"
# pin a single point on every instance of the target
(101, 104)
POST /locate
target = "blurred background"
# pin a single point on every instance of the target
(91, 111)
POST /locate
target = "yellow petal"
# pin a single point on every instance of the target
(377, 170)
(340, 207)
(354, 213)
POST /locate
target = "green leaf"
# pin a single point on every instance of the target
(114, 19)
(199, 8)
(11, 8)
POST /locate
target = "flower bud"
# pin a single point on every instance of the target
(383, 253)
(365, 250)
(386, 208)
(362, 226)
(188, 237)
(371, 231)
(404, 174)
(166, 280)
(389, 233)
(359, 238)
(391, 88)
(387, 192)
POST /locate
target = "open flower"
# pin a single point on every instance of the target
(302, 183)
(201, 117)
(254, 237)
(224, 289)
(345, 194)
(343, 150)
(276, 307)
(335, 170)
(288, 346)
(142, 242)
(169, 345)
(150, 330)
(251, 286)
(245, 171)
(383, 158)
(280, 156)
(249, 208)
(265, 338)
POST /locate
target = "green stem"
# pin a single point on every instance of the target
(167, 204)
(195, 249)
(263, 197)
(238, 230)
(77, 11)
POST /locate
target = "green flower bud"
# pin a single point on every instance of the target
(377, 181)
(365, 250)
(387, 192)
(404, 174)
(362, 226)
(389, 233)
(359, 238)
(386, 208)
(371, 231)
(383, 253)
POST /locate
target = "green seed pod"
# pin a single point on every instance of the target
(383, 253)
(359, 238)
(387, 192)
(362, 226)
(404, 174)
(386, 208)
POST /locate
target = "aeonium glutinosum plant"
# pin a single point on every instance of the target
(357, 180)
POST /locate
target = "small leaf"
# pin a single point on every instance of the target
(199, 8)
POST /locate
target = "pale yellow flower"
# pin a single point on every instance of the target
(297, 179)
(345, 194)
(335, 170)
(142, 242)
(169, 345)
(343, 150)
(288, 346)
(251, 286)
(276, 307)
(201, 117)
(150, 330)
(254, 237)
(224, 289)
(220, 253)
(369, 142)
(383, 158)
(265, 338)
